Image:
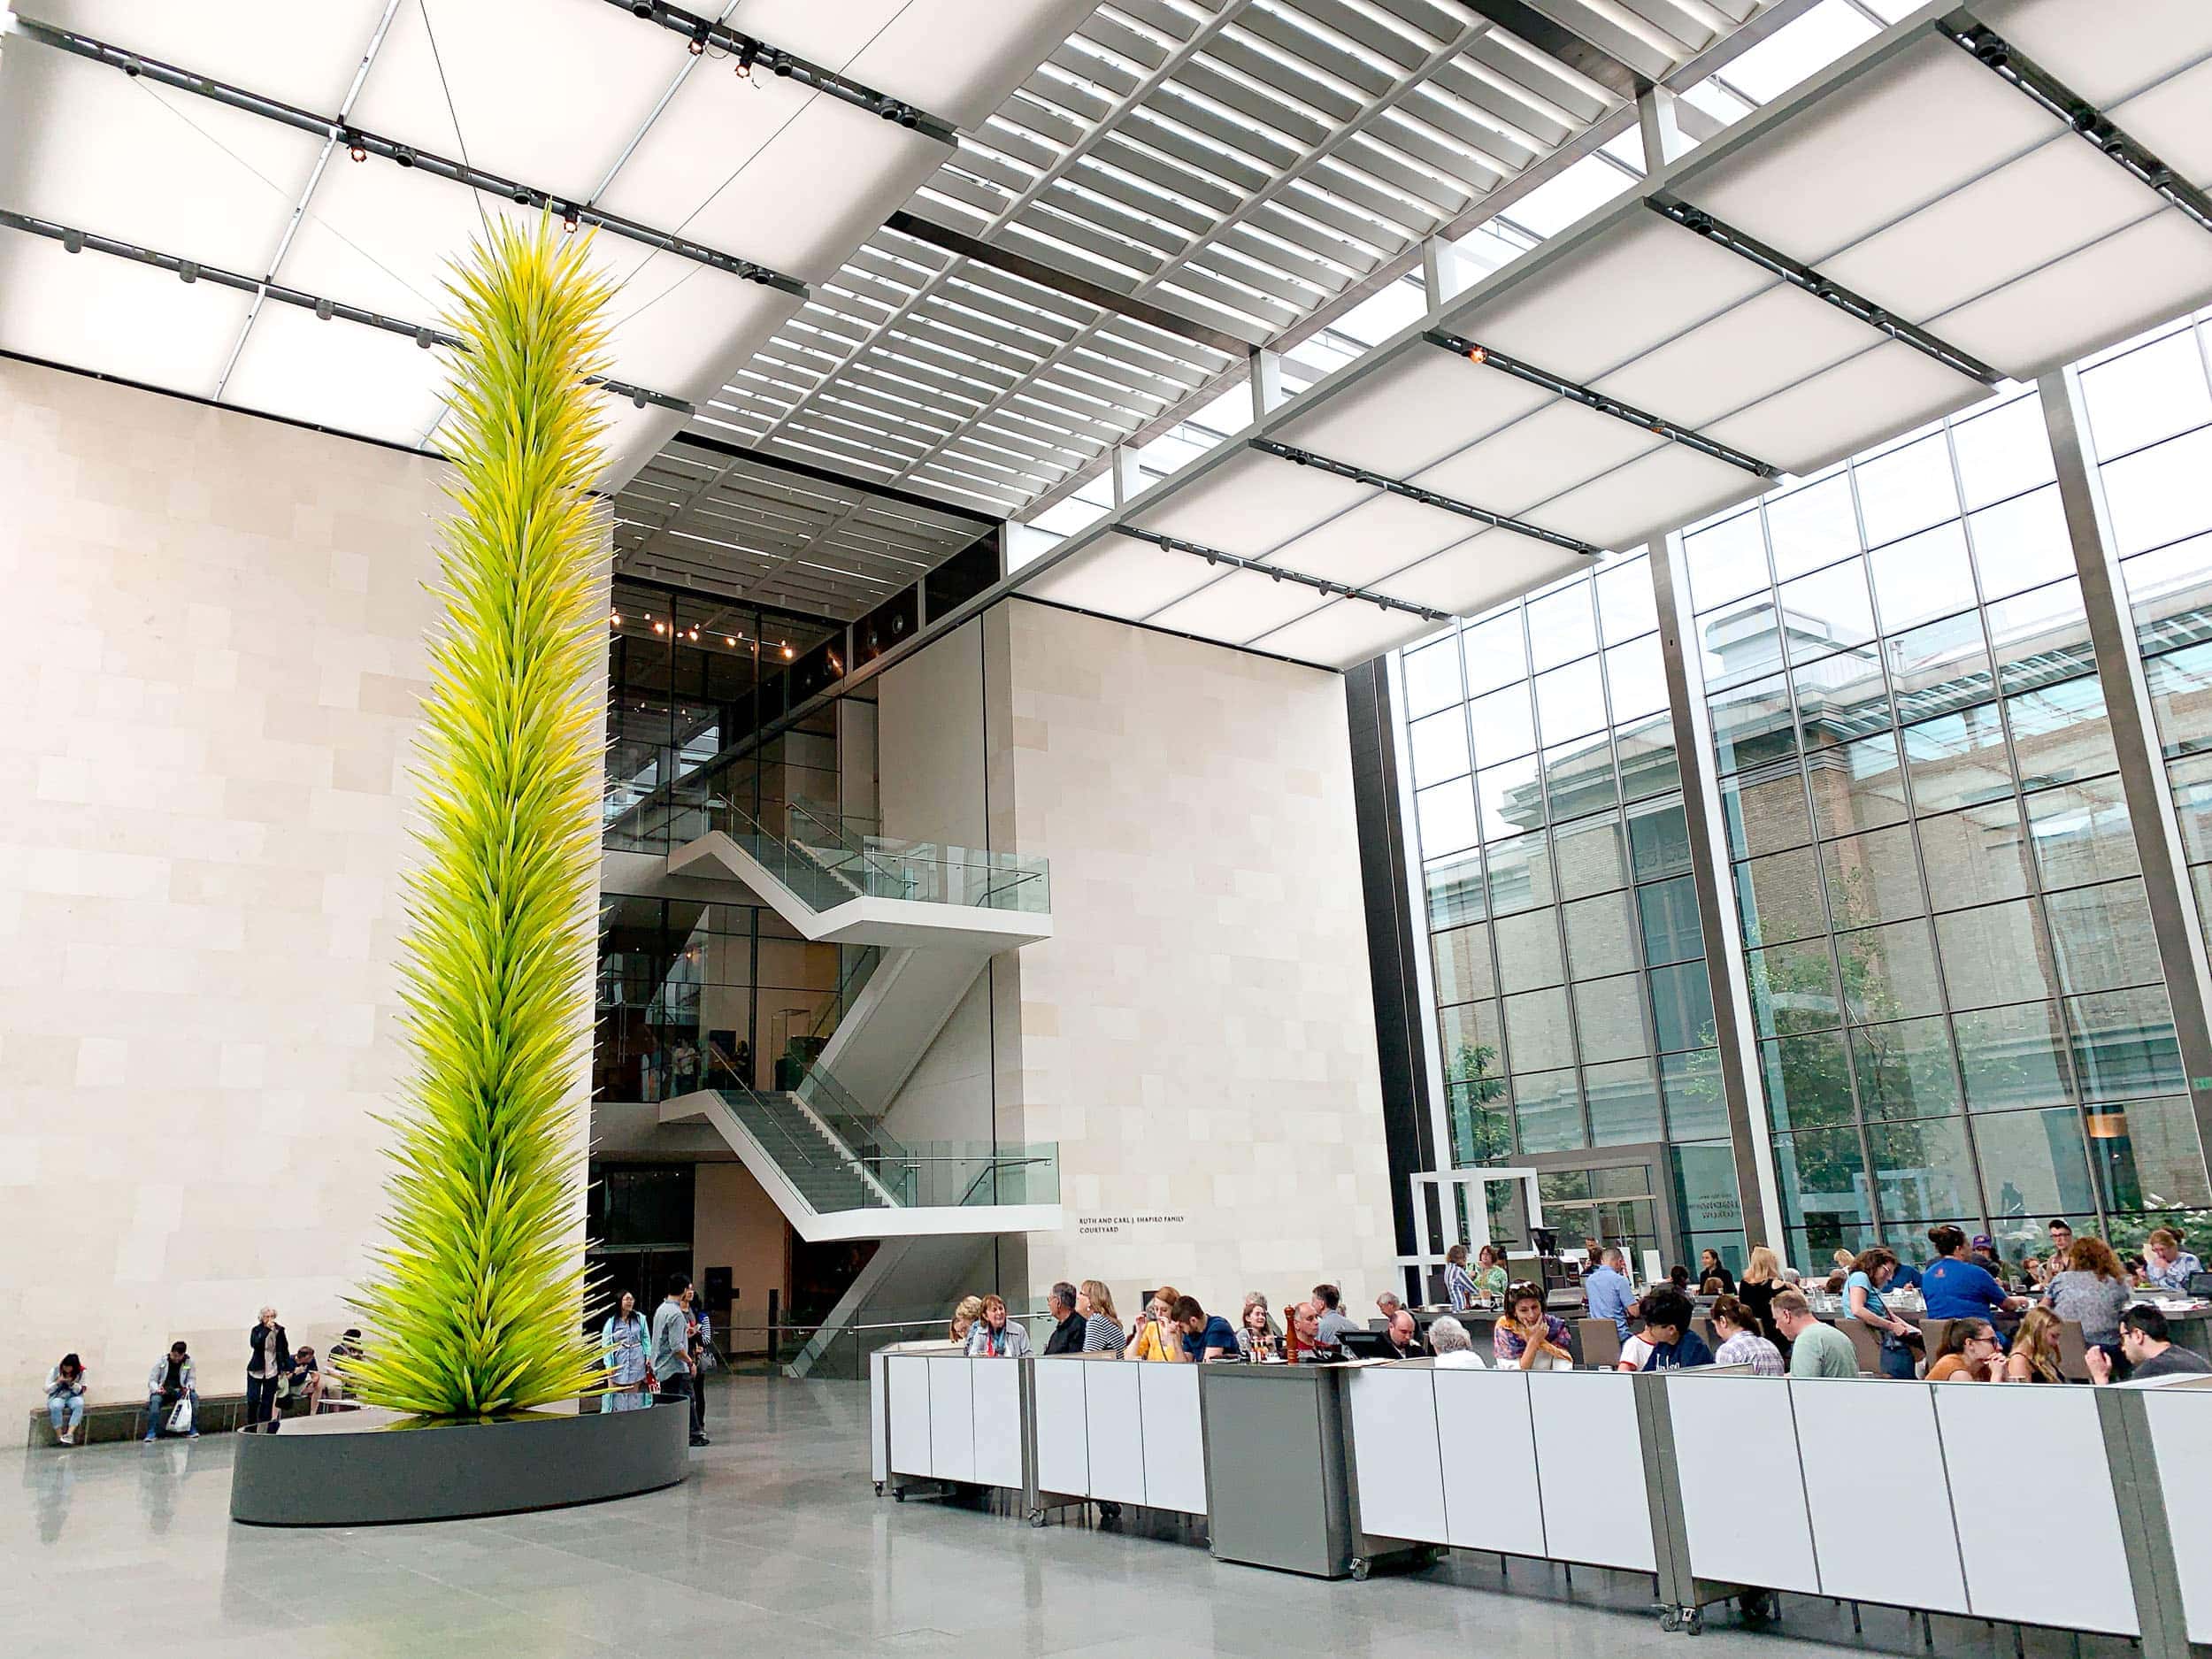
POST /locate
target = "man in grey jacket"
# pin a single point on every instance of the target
(672, 1344)
(169, 1381)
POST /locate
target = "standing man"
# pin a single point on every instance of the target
(1067, 1325)
(1610, 1291)
(702, 1361)
(672, 1344)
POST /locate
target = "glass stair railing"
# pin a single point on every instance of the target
(824, 1174)
(825, 861)
(886, 1159)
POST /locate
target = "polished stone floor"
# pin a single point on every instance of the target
(779, 1546)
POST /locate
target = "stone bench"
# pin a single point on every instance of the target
(126, 1420)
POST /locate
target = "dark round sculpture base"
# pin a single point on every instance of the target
(373, 1467)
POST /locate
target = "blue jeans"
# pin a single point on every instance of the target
(158, 1410)
(1897, 1359)
(66, 1412)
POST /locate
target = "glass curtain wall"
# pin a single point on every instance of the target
(1955, 992)
(1574, 1009)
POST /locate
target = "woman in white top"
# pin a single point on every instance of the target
(1454, 1348)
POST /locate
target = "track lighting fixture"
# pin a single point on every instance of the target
(698, 45)
(642, 8)
(748, 54)
(402, 155)
(425, 338)
(187, 271)
(638, 398)
(324, 310)
(780, 64)
(73, 241)
(132, 67)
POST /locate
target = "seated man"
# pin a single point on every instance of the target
(1815, 1349)
(1667, 1342)
(1334, 1322)
(1403, 1339)
(1305, 1324)
(1205, 1336)
(303, 1383)
(1388, 1305)
(2147, 1339)
(169, 1381)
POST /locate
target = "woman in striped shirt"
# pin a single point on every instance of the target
(1459, 1284)
(1101, 1327)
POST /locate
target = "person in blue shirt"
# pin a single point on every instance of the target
(1957, 1286)
(1668, 1342)
(1205, 1336)
(1610, 1291)
(1906, 1278)
(2166, 1266)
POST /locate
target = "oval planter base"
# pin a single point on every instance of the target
(373, 1467)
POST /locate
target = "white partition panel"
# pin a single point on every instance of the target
(998, 1421)
(2009, 1574)
(1590, 1468)
(907, 1406)
(2181, 1435)
(1063, 1452)
(1174, 1444)
(1396, 1469)
(1491, 1498)
(951, 1418)
(1115, 1429)
(1875, 1488)
(878, 1418)
(1743, 1503)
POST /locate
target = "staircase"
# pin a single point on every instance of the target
(826, 1174)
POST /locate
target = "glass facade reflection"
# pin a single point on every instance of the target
(1957, 1004)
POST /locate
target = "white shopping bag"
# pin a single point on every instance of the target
(181, 1418)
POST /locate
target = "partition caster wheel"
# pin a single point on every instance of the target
(898, 1494)
(879, 1488)
(1694, 1621)
(1669, 1619)
(1359, 1570)
(1430, 1555)
(1036, 1518)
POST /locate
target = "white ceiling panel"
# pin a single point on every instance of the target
(89, 146)
(629, 438)
(1875, 395)
(713, 127)
(1375, 538)
(1239, 607)
(359, 379)
(1770, 341)
(774, 208)
(671, 312)
(1343, 633)
(1248, 505)
(1494, 567)
(2104, 52)
(1671, 486)
(302, 55)
(1412, 411)
(1997, 229)
(1532, 460)
(825, 34)
(112, 317)
(514, 69)
(1121, 576)
(2170, 121)
(1568, 319)
(2089, 300)
(1921, 124)
(958, 59)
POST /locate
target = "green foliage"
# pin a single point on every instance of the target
(473, 1306)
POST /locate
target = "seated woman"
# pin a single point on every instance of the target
(1527, 1337)
(993, 1336)
(1256, 1341)
(1970, 1353)
(1101, 1325)
(964, 1314)
(65, 1398)
(2034, 1357)
(1454, 1348)
(1740, 1341)
(1155, 1337)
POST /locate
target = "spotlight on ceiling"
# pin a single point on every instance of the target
(324, 310)
(425, 338)
(73, 241)
(188, 271)
(639, 398)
